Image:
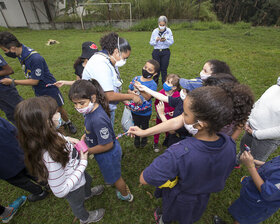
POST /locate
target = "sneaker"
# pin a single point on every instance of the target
(128, 197)
(156, 147)
(144, 142)
(137, 142)
(218, 220)
(14, 208)
(157, 215)
(94, 216)
(37, 197)
(71, 127)
(97, 190)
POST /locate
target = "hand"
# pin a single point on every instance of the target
(247, 159)
(160, 108)
(73, 140)
(6, 81)
(84, 155)
(135, 130)
(83, 138)
(136, 91)
(158, 38)
(136, 99)
(248, 128)
(59, 83)
(140, 87)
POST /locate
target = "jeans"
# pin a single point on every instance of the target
(163, 59)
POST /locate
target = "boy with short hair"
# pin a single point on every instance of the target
(142, 113)
(36, 71)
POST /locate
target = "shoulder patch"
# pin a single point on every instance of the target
(104, 133)
(38, 72)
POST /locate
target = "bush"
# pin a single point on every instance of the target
(104, 28)
(145, 25)
(207, 25)
(242, 25)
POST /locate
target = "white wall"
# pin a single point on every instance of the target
(13, 14)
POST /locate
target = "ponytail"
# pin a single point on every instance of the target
(101, 97)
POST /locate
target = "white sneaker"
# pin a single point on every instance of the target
(94, 216)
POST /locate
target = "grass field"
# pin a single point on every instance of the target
(253, 55)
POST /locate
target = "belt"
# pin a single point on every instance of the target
(166, 49)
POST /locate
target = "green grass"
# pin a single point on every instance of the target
(254, 57)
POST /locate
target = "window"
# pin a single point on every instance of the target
(2, 5)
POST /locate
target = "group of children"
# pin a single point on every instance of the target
(201, 122)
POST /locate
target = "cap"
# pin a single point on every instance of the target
(88, 49)
(190, 84)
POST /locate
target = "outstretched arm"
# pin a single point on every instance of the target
(169, 125)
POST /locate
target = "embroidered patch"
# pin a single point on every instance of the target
(104, 133)
(38, 72)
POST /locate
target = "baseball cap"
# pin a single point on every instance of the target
(89, 48)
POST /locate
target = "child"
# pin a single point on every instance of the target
(260, 193)
(170, 89)
(9, 96)
(142, 117)
(203, 162)
(210, 67)
(89, 99)
(49, 156)
(89, 48)
(36, 71)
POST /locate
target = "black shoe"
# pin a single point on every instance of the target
(218, 220)
(165, 142)
(71, 127)
(137, 142)
(37, 197)
(144, 142)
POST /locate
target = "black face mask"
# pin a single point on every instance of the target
(146, 74)
(11, 54)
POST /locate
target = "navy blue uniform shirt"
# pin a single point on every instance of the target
(11, 155)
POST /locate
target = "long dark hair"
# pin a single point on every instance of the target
(37, 134)
(221, 105)
(84, 89)
(78, 61)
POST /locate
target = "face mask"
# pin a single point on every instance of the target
(183, 95)
(190, 128)
(120, 63)
(11, 54)
(87, 109)
(203, 75)
(278, 81)
(57, 120)
(166, 87)
(146, 74)
(161, 27)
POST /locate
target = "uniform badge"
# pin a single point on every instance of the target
(104, 133)
(38, 72)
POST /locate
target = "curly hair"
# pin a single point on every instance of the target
(221, 105)
(219, 66)
(8, 40)
(219, 78)
(112, 41)
(37, 134)
(84, 89)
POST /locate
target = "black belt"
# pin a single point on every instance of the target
(166, 49)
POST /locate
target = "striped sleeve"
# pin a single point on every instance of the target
(61, 183)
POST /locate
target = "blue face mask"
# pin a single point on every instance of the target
(166, 87)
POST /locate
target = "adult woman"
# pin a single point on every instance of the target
(103, 66)
(161, 39)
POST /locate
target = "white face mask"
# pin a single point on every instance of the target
(120, 63)
(57, 120)
(183, 95)
(190, 128)
(87, 109)
(204, 75)
(161, 27)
